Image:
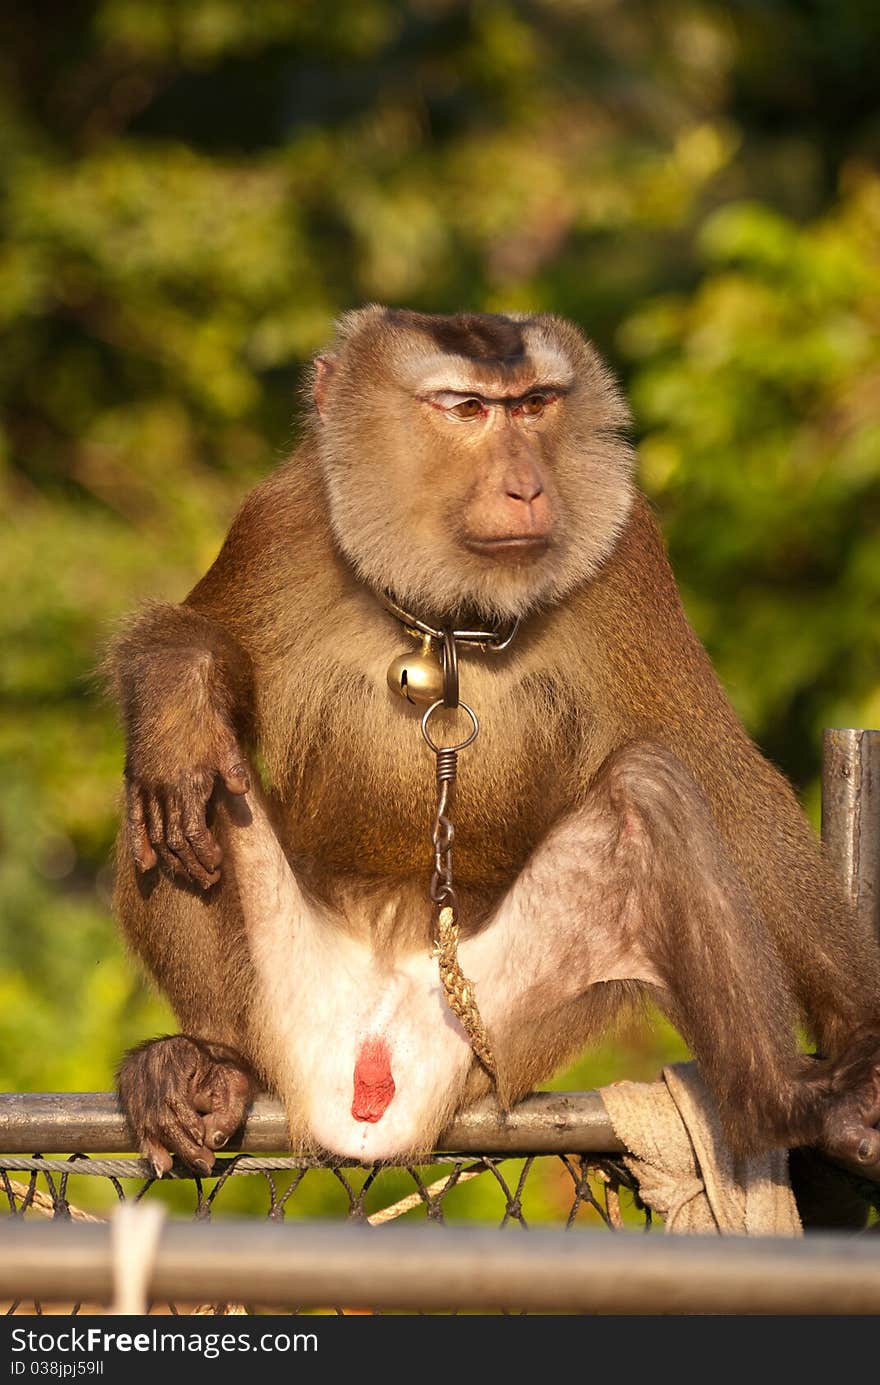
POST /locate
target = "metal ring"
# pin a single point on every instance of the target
(450, 669)
(498, 646)
(432, 743)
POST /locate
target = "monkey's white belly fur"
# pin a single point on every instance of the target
(327, 1007)
(400, 1008)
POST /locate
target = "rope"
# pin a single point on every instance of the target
(42, 1203)
(219, 1310)
(406, 1204)
(460, 991)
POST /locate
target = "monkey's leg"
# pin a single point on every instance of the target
(637, 884)
(185, 1094)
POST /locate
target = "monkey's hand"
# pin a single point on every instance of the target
(184, 1096)
(853, 1108)
(167, 801)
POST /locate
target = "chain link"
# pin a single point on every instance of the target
(442, 889)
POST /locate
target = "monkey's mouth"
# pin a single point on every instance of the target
(512, 549)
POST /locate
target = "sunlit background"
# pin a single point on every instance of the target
(190, 194)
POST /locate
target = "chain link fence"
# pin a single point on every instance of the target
(276, 1220)
(572, 1189)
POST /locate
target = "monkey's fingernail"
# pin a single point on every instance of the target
(866, 1149)
(218, 1139)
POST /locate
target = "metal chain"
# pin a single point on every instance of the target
(494, 641)
(442, 889)
(458, 988)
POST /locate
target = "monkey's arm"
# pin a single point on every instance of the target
(183, 684)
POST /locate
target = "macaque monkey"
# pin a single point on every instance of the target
(617, 833)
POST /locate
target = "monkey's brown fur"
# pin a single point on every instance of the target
(607, 700)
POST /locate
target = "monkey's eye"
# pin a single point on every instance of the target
(462, 406)
(533, 406)
(468, 408)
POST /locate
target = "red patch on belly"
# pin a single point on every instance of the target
(373, 1083)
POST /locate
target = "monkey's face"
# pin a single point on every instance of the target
(471, 463)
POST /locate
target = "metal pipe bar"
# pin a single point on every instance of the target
(851, 815)
(542, 1123)
(312, 1265)
(91, 1123)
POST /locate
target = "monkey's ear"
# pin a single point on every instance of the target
(323, 373)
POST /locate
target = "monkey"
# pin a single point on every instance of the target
(618, 836)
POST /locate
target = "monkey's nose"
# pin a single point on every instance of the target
(522, 479)
(529, 511)
(527, 491)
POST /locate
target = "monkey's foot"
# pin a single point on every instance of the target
(853, 1108)
(184, 1096)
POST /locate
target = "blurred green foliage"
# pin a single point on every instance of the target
(191, 192)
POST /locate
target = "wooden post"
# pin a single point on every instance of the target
(851, 815)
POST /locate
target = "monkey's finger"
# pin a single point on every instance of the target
(858, 1144)
(174, 1135)
(224, 1105)
(868, 1151)
(138, 841)
(201, 839)
(175, 835)
(220, 1123)
(189, 1120)
(232, 768)
(197, 1157)
(156, 831)
(157, 1155)
(853, 1141)
(236, 779)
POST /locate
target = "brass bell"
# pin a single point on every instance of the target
(417, 677)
